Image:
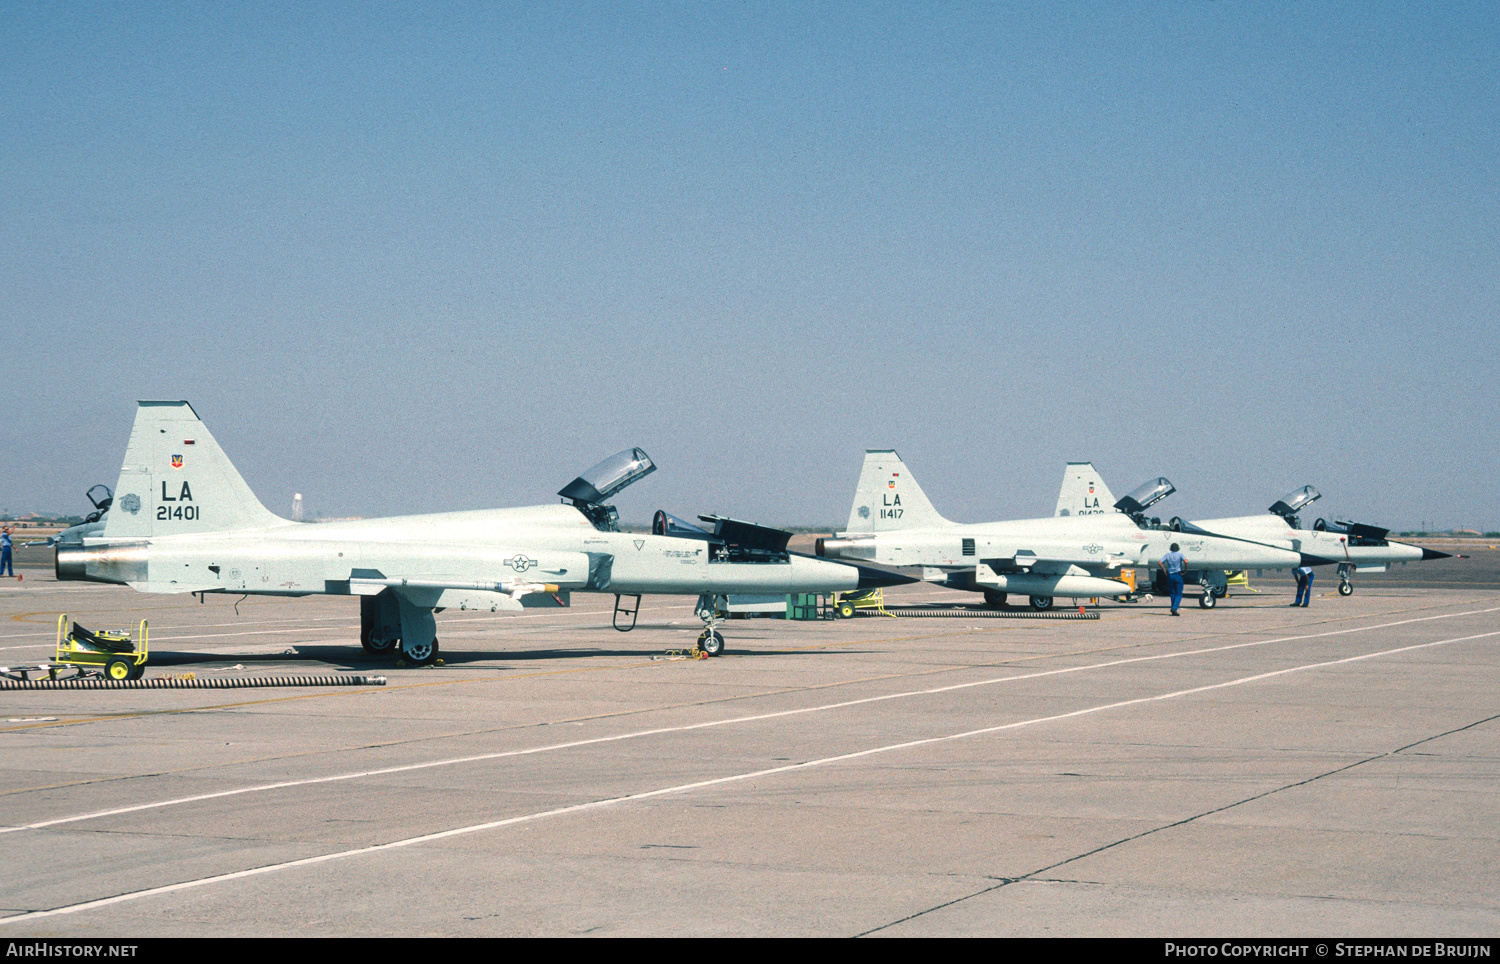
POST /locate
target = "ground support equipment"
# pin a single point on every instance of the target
(842, 605)
(112, 654)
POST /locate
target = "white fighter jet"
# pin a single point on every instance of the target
(1350, 545)
(182, 520)
(1077, 554)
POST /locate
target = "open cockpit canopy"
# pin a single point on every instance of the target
(1293, 502)
(590, 489)
(1144, 496)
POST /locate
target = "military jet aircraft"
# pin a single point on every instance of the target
(1350, 545)
(893, 523)
(184, 520)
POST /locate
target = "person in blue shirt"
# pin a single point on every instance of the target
(6, 568)
(1173, 564)
(1304, 576)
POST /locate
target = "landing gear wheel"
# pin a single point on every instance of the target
(1208, 600)
(1346, 589)
(845, 610)
(421, 654)
(1219, 591)
(711, 641)
(994, 598)
(119, 669)
(1041, 603)
(378, 645)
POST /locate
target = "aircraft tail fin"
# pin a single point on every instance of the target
(1083, 492)
(888, 498)
(177, 480)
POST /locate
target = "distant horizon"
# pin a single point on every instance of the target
(48, 520)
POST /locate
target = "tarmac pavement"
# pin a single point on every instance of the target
(1252, 770)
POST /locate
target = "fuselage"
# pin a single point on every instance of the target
(1321, 546)
(1098, 545)
(490, 550)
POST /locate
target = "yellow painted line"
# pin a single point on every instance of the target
(31, 618)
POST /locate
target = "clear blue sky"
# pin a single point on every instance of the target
(417, 257)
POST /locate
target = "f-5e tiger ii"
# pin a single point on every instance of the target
(1349, 544)
(892, 523)
(1352, 545)
(184, 520)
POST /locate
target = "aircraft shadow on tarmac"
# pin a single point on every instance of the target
(343, 657)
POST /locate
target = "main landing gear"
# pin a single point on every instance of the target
(389, 626)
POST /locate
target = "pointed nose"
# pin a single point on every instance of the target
(1434, 554)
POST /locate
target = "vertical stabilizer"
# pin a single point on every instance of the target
(1083, 492)
(888, 498)
(177, 480)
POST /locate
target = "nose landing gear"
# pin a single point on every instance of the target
(710, 641)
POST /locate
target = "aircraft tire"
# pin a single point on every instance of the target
(1208, 600)
(1041, 603)
(711, 641)
(1219, 591)
(1346, 589)
(421, 655)
(994, 598)
(376, 646)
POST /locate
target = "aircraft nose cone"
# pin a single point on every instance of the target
(1434, 554)
(870, 578)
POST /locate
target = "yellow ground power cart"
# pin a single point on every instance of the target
(843, 604)
(114, 654)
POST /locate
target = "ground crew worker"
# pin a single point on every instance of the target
(1304, 576)
(1173, 564)
(6, 567)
